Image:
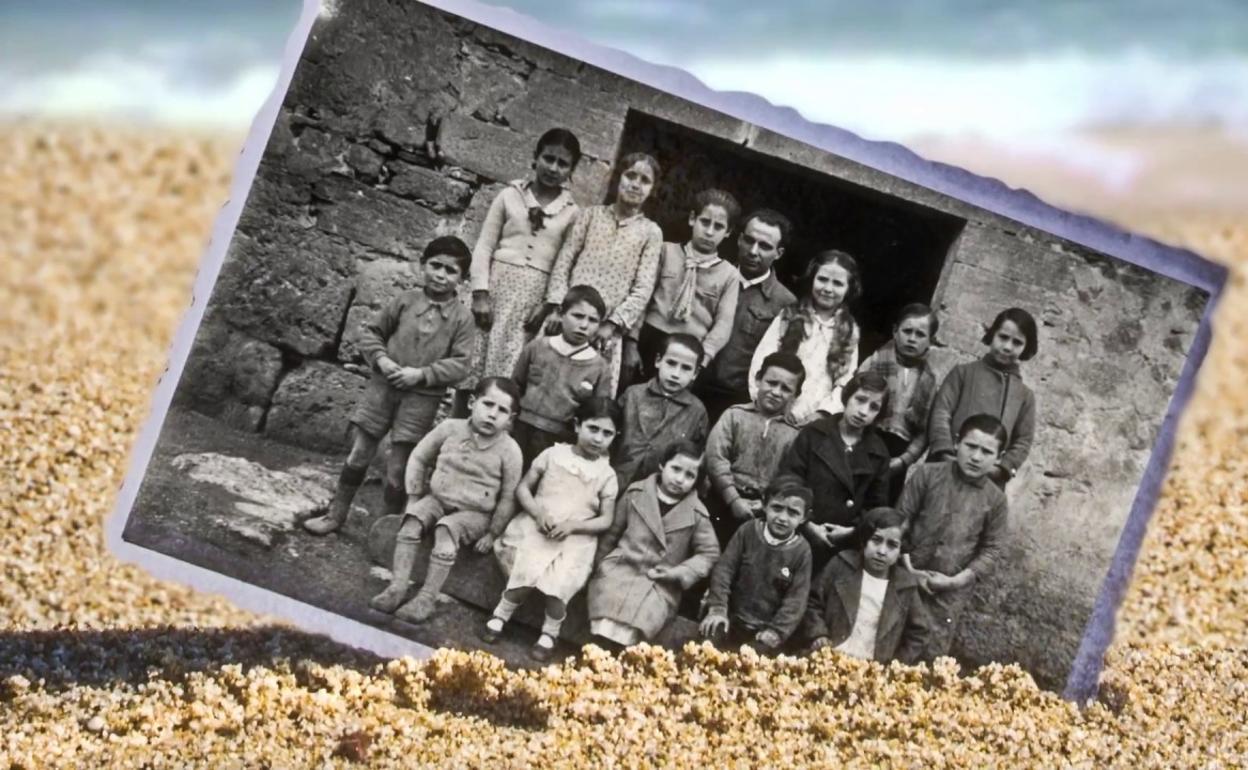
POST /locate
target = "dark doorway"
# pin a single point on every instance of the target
(900, 246)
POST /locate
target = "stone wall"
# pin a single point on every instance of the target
(403, 123)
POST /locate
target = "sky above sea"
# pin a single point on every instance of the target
(888, 69)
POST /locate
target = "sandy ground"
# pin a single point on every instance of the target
(100, 231)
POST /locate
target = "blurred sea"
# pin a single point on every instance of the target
(1035, 78)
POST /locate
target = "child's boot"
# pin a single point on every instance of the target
(421, 608)
(349, 482)
(400, 581)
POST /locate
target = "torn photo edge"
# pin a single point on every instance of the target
(890, 158)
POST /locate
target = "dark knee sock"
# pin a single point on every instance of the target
(349, 482)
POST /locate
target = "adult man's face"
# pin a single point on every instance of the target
(758, 247)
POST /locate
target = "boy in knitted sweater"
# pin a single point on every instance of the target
(760, 585)
(461, 484)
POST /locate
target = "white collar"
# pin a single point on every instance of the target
(748, 282)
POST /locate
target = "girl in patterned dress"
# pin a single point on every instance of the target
(615, 248)
(516, 249)
(567, 499)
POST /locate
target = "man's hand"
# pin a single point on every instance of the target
(820, 643)
(482, 309)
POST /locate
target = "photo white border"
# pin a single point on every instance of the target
(890, 158)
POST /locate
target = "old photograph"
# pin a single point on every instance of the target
(511, 352)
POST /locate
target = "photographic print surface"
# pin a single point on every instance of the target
(321, 431)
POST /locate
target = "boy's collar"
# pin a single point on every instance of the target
(961, 475)
(683, 398)
(443, 305)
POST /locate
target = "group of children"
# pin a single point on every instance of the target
(792, 509)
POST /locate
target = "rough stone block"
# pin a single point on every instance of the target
(433, 189)
(469, 226)
(317, 152)
(403, 125)
(286, 287)
(595, 117)
(312, 406)
(489, 81)
(229, 375)
(376, 283)
(374, 218)
(494, 152)
(365, 162)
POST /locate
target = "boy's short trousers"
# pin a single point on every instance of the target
(465, 527)
(407, 415)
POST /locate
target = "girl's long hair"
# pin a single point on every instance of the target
(842, 347)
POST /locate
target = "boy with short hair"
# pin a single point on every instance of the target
(696, 293)
(760, 584)
(660, 412)
(462, 481)
(957, 524)
(747, 443)
(417, 346)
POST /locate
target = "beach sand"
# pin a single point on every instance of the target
(100, 665)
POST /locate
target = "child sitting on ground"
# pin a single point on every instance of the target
(746, 445)
(461, 484)
(659, 545)
(697, 290)
(958, 524)
(760, 584)
(418, 345)
(567, 499)
(865, 603)
(556, 374)
(661, 411)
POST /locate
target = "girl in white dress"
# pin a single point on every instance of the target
(567, 499)
(821, 331)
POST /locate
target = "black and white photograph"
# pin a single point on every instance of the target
(508, 351)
